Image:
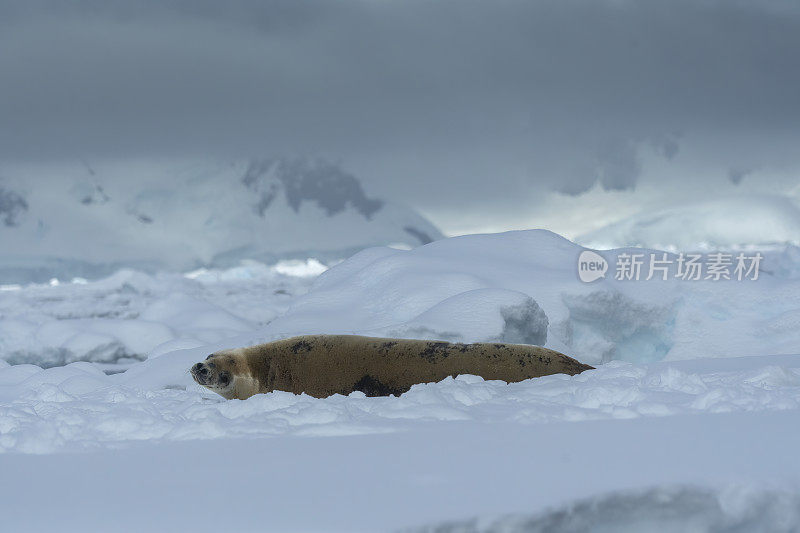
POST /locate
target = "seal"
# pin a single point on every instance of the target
(323, 365)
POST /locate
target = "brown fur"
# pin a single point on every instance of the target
(322, 365)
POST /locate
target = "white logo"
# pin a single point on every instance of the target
(591, 266)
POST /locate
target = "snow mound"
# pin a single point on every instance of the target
(721, 223)
(152, 215)
(663, 509)
(523, 287)
(486, 315)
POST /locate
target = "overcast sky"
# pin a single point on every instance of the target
(482, 114)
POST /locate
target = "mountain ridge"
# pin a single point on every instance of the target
(179, 216)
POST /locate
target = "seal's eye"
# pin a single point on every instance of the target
(224, 379)
(209, 357)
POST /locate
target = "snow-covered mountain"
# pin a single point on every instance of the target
(88, 220)
(721, 223)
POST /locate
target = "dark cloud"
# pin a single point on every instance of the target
(736, 175)
(447, 101)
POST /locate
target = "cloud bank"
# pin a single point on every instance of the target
(441, 104)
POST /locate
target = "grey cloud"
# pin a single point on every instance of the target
(12, 206)
(619, 166)
(736, 175)
(443, 102)
(667, 145)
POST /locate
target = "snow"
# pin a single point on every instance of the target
(691, 412)
(726, 222)
(442, 471)
(130, 315)
(78, 407)
(665, 509)
(463, 289)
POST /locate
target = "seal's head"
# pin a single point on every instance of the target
(215, 373)
(226, 373)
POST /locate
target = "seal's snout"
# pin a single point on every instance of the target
(200, 373)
